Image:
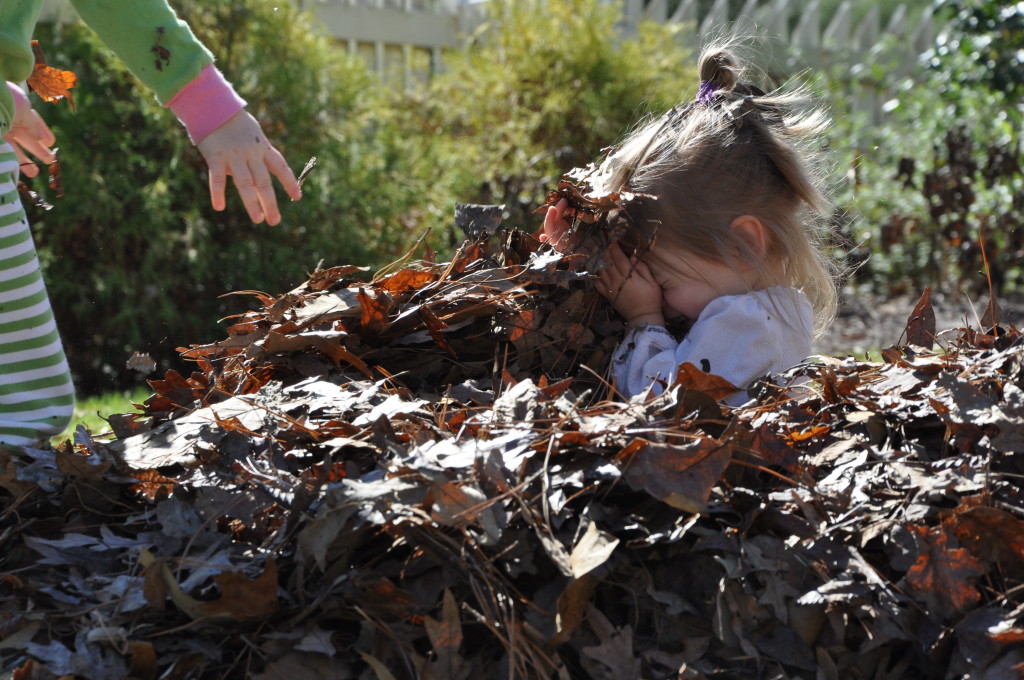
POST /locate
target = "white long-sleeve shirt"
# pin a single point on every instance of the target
(738, 337)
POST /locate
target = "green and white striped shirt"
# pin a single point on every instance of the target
(36, 394)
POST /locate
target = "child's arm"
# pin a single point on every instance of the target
(163, 52)
(233, 144)
(646, 355)
(739, 337)
(28, 134)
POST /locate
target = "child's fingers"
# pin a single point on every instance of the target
(264, 186)
(551, 226)
(641, 269)
(42, 131)
(283, 172)
(556, 228)
(218, 183)
(617, 259)
(27, 166)
(607, 283)
(246, 186)
(27, 144)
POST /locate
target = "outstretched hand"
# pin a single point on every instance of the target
(630, 287)
(240, 149)
(30, 135)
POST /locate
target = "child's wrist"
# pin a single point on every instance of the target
(206, 103)
(20, 98)
(652, 319)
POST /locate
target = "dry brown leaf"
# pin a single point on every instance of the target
(992, 535)
(49, 83)
(941, 577)
(242, 598)
(681, 475)
(921, 330)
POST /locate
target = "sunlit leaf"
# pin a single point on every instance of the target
(49, 83)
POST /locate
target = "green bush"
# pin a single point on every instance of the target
(134, 256)
(991, 32)
(936, 187)
(543, 87)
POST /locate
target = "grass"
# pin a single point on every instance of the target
(92, 411)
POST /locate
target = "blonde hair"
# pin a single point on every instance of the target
(734, 151)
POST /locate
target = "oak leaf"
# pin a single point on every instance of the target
(939, 577)
(992, 535)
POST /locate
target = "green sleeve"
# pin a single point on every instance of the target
(17, 21)
(150, 39)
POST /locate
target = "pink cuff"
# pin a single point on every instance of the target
(20, 98)
(206, 103)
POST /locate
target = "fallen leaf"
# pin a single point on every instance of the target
(920, 329)
(49, 83)
(593, 549)
(681, 475)
(992, 535)
(310, 165)
(242, 598)
(940, 578)
(691, 377)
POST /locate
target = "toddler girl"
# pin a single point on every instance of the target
(722, 233)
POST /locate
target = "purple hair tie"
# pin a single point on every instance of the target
(706, 93)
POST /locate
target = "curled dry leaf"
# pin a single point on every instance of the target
(49, 83)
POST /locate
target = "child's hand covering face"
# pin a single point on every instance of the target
(627, 283)
(631, 289)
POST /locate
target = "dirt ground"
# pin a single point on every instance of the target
(870, 323)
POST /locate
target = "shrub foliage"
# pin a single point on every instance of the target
(542, 88)
(936, 191)
(135, 258)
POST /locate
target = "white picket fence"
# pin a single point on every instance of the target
(404, 40)
(796, 23)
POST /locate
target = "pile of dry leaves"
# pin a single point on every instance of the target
(426, 475)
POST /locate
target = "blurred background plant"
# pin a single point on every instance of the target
(934, 186)
(541, 88)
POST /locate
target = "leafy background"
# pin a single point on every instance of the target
(136, 260)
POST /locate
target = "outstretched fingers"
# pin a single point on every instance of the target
(218, 183)
(253, 178)
(31, 136)
(239, 149)
(253, 182)
(279, 168)
(27, 165)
